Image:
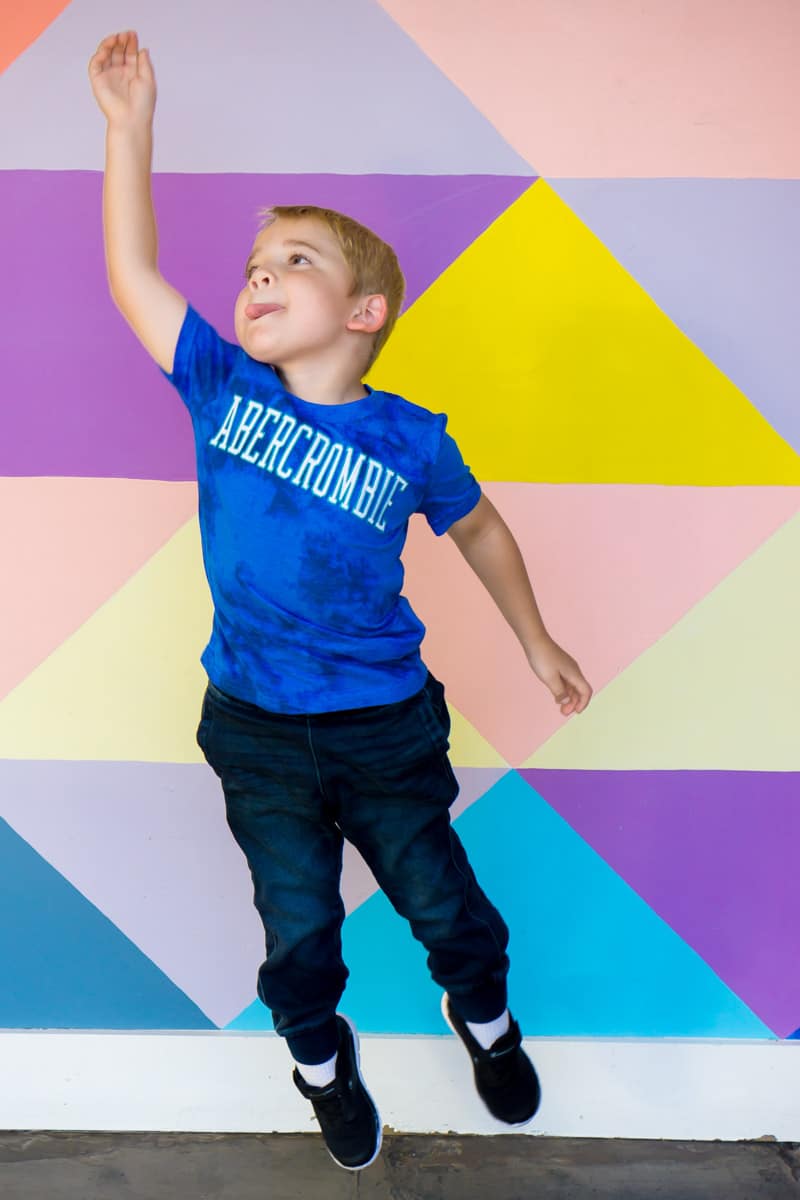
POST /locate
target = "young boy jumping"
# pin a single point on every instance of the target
(320, 718)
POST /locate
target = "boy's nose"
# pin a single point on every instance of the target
(259, 277)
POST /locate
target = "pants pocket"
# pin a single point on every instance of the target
(204, 727)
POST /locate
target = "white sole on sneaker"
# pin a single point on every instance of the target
(379, 1122)
(506, 1124)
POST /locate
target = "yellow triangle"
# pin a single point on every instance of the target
(468, 748)
(718, 692)
(127, 686)
(556, 366)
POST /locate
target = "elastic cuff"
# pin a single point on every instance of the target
(487, 1004)
(315, 1046)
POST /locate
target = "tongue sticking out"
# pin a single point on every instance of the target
(254, 311)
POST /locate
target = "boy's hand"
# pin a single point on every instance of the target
(562, 675)
(122, 79)
(124, 86)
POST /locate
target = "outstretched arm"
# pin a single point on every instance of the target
(489, 547)
(124, 86)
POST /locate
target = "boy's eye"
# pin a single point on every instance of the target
(294, 259)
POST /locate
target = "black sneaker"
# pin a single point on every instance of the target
(504, 1075)
(345, 1110)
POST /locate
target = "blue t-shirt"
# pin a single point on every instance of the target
(304, 510)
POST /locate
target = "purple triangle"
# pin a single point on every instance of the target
(714, 853)
(88, 401)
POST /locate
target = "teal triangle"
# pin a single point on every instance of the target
(255, 1017)
(66, 966)
(589, 957)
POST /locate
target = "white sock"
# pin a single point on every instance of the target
(318, 1074)
(486, 1033)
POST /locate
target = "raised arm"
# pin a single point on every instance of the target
(124, 86)
(489, 547)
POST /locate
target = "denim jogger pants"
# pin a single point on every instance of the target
(294, 787)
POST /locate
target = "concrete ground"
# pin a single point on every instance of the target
(152, 1166)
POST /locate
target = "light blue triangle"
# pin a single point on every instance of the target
(254, 1017)
(589, 956)
(63, 965)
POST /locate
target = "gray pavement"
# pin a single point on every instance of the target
(151, 1166)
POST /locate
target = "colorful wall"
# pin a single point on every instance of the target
(596, 206)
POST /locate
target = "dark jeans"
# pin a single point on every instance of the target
(294, 787)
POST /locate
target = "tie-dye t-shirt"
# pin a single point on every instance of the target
(304, 510)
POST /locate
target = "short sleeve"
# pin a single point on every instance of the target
(203, 360)
(452, 490)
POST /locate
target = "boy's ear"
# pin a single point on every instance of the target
(370, 315)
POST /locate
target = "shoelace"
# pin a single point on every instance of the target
(336, 1106)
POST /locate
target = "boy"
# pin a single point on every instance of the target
(320, 718)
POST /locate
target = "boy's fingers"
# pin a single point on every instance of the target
(576, 694)
(117, 50)
(103, 53)
(145, 65)
(107, 43)
(124, 46)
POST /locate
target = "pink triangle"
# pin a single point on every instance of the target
(69, 544)
(613, 568)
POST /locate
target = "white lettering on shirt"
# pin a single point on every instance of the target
(369, 487)
(323, 480)
(314, 456)
(282, 470)
(345, 484)
(329, 470)
(380, 518)
(250, 455)
(250, 418)
(278, 440)
(220, 439)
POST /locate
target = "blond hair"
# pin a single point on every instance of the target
(372, 261)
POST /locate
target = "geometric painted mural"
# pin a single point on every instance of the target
(64, 959)
(589, 956)
(416, 214)
(724, 270)
(713, 853)
(609, 319)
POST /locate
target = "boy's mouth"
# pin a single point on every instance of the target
(254, 311)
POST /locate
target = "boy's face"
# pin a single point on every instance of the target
(297, 299)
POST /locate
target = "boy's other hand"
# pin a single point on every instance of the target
(122, 79)
(562, 675)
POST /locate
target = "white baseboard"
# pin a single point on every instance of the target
(240, 1082)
